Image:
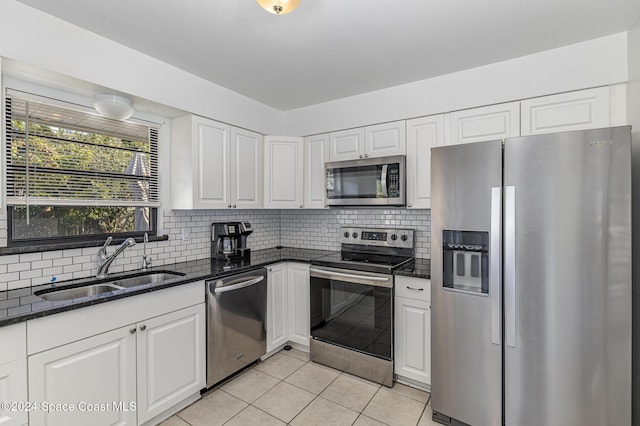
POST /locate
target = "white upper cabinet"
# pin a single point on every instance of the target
(583, 109)
(200, 160)
(484, 124)
(214, 165)
(422, 134)
(316, 154)
(379, 140)
(385, 139)
(246, 169)
(346, 144)
(283, 169)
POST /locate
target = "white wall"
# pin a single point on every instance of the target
(109, 64)
(633, 114)
(593, 63)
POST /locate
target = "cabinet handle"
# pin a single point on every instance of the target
(301, 206)
(418, 289)
(366, 156)
(143, 327)
(234, 206)
(360, 155)
(132, 330)
(408, 205)
(270, 269)
(228, 206)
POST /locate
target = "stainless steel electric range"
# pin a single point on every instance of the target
(351, 299)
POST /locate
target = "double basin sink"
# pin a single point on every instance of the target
(88, 289)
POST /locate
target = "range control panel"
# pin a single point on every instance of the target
(402, 238)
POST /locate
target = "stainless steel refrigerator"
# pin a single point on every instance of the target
(531, 280)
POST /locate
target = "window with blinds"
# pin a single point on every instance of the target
(71, 173)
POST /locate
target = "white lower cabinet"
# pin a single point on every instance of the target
(94, 371)
(170, 362)
(298, 303)
(287, 305)
(125, 376)
(276, 306)
(126, 362)
(412, 362)
(13, 375)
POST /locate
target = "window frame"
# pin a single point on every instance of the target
(41, 243)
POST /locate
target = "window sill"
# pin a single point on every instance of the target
(70, 245)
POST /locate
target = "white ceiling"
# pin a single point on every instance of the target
(329, 49)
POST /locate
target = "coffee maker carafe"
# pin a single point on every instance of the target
(229, 240)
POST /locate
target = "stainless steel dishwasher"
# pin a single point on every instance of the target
(236, 321)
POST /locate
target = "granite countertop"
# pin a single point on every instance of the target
(22, 304)
(419, 268)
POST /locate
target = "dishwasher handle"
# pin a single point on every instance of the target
(237, 286)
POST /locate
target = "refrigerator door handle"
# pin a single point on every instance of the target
(510, 265)
(494, 268)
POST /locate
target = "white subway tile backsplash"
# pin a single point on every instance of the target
(318, 229)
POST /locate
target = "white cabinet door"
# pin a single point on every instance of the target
(583, 109)
(277, 302)
(413, 340)
(422, 134)
(200, 161)
(13, 389)
(298, 289)
(346, 144)
(484, 124)
(316, 154)
(212, 161)
(97, 370)
(171, 360)
(283, 165)
(385, 139)
(246, 169)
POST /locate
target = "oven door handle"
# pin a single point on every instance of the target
(343, 276)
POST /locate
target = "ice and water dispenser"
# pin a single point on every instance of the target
(466, 261)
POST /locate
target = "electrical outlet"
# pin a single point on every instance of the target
(186, 234)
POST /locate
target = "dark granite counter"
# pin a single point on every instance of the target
(22, 304)
(419, 268)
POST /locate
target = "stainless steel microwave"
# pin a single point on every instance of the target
(368, 182)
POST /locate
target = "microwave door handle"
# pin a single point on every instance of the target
(384, 181)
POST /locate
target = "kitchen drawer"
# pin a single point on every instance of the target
(413, 288)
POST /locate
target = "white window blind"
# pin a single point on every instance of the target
(58, 155)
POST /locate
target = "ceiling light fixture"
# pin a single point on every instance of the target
(113, 106)
(279, 7)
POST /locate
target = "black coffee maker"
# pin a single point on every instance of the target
(229, 240)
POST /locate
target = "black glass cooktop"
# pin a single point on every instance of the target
(369, 262)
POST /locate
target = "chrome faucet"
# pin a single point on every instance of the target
(105, 261)
(146, 261)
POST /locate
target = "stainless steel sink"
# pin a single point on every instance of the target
(156, 277)
(76, 293)
(56, 295)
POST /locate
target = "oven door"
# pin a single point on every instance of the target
(353, 309)
(371, 181)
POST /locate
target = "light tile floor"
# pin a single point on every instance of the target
(287, 388)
